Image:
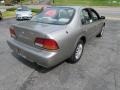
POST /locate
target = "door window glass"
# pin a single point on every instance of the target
(85, 17)
(95, 16)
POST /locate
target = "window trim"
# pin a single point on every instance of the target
(92, 10)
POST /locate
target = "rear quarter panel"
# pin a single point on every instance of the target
(68, 38)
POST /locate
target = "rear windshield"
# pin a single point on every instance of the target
(55, 15)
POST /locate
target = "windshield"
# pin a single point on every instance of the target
(55, 15)
(23, 9)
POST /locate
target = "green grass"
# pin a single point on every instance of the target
(11, 9)
(26, 2)
(88, 2)
(8, 14)
(36, 10)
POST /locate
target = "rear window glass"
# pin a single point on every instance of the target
(55, 15)
(51, 13)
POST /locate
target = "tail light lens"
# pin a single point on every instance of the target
(48, 44)
(12, 32)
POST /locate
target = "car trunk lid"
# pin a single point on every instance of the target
(27, 32)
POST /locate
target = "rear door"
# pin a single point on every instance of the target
(87, 23)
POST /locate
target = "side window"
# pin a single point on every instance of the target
(70, 12)
(95, 16)
(85, 17)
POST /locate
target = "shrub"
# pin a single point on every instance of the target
(36, 10)
(11, 9)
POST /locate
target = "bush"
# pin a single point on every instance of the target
(36, 10)
(11, 9)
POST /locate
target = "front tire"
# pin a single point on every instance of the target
(77, 53)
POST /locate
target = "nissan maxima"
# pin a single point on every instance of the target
(56, 34)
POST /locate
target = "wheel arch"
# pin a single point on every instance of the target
(81, 37)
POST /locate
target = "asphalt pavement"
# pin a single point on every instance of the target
(98, 69)
(110, 12)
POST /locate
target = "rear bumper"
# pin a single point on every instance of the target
(44, 58)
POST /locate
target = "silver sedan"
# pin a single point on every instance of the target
(57, 34)
(23, 12)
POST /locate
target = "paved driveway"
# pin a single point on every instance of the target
(98, 69)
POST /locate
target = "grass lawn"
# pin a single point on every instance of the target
(8, 14)
(88, 2)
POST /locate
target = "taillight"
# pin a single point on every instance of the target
(48, 44)
(12, 32)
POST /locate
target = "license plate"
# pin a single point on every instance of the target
(19, 52)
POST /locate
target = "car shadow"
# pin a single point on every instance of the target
(33, 65)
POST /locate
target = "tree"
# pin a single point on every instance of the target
(8, 2)
(33, 1)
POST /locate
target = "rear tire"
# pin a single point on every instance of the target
(77, 53)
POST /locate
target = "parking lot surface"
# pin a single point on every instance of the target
(98, 69)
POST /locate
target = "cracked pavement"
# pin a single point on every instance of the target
(98, 69)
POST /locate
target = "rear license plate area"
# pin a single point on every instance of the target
(20, 53)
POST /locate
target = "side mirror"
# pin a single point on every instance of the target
(102, 17)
